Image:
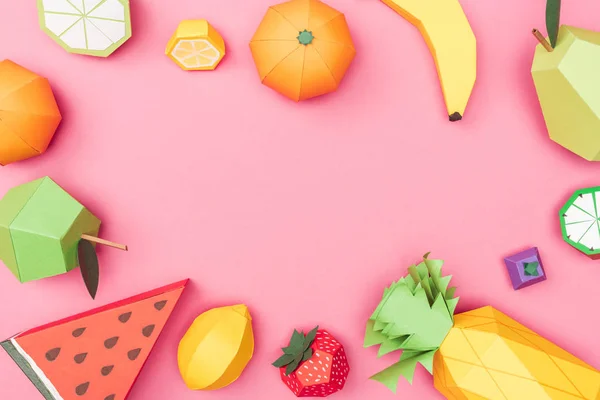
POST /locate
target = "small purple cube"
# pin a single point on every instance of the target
(525, 268)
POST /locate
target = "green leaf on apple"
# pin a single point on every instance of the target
(88, 264)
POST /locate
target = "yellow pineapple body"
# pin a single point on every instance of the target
(489, 356)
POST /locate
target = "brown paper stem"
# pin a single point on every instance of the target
(542, 40)
(104, 242)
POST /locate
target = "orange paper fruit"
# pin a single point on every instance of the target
(302, 49)
(29, 115)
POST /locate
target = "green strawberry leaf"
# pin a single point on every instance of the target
(88, 265)
(284, 360)
(553, 20)
(293, 365)
(307, 354)
(310, 338)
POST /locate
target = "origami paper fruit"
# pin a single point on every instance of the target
(97, 354)
(568, 88)
(196, 46)
(46, 232)
(479, 354)
(579, 221)
(216, 348)
(313, 365)
(90, 27)
(29, 115)
(302, 49)
(451, 41)
(525, 268)
(567, 85)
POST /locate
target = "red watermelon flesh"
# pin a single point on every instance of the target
(96, 355)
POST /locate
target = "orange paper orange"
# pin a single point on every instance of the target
(302, 49)
(29, 115)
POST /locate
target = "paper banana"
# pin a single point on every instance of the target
(446, 30)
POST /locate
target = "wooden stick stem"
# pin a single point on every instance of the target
(540, 38)
(104, 242)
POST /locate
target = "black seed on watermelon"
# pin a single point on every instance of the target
(78, 332)
(125, 317)
(133, 354)
(51, 355)
(112, 342)
(160, 305)
(110, 397)
(106, 370)
(147, 331)
(79, 358)
(82, 389)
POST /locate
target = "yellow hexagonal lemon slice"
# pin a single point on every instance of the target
(196, 46)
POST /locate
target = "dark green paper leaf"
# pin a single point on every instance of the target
(297, 340)
(552, 20)
(307, 355)
(88, 264)
(284, 360)
(294, 364)
(310, 338)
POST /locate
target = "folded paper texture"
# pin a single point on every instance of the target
(313, 365)
(446, 29)
(196, 46)
(215, 350)
(89, 27)
(302, 49)
(568, 87)
(481, 354)
(40, 228)
(525, 268)
(579, 221)
(97, 354)
(29, 115)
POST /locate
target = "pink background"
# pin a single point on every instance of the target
(305, 212)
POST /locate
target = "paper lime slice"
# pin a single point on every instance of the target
(579, 220)
(91, 27)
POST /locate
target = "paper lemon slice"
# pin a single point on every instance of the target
(196, 46)
(91, 27)
(579, 220)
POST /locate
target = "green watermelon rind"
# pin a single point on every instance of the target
(27, 369)
(563, 228)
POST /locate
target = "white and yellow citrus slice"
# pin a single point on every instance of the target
(196, 46)
(90, 27)
(580, 221)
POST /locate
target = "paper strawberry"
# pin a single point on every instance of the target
(313, 365)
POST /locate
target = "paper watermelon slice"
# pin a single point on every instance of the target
(96, 355)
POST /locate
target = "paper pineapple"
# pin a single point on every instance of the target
(480, 354)
(565, 73)
(313, 365)
(45, 232)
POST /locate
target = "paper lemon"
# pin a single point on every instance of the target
(90, 27)
(215, 350)
(196, 46)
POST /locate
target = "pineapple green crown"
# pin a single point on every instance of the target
(297, 351)
(415, 315)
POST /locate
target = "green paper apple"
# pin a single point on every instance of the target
(41, 229)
